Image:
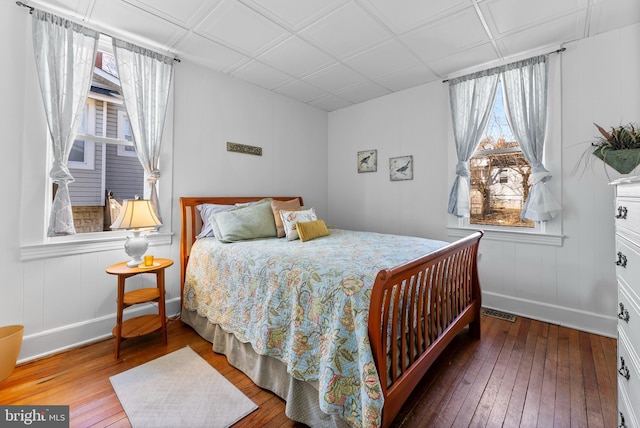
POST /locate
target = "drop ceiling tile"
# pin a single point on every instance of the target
(383, 59)
(551, 34)
(610, 14)
(505, 16)
(408, 14)
(73, 8)
(362, 93)
(183, 12)
(135, 24)
(295, 14)
(210, 54)
(335, 78)
(444, 37)
(460, 61)
(346, 31)
(301, 91)
(330, 103)
(238, 27)
(261, 75)
(404, 79)
(296, 57)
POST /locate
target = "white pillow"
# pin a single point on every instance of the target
(206, 211)
(290, 218)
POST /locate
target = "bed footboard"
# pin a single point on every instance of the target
(416, 310)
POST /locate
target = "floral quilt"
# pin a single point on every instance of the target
(306, 304)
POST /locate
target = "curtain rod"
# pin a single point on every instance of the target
(557, 51)
(31, 9)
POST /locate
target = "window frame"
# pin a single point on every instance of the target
(35, 205)
(548, 233)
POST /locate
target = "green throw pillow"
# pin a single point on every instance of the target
(249, 222)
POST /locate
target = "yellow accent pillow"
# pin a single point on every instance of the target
(309, 230)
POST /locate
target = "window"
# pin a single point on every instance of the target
(124, 133)
(499, 174)
(105, 168)
(82, 154)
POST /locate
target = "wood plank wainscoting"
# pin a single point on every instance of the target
(524, 373)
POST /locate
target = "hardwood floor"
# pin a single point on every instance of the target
(526, 373)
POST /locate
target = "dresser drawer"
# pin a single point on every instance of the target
(626, 416)
(628, 369)
(630, 187)
(627, 215)
(629, 314)
(627, 259)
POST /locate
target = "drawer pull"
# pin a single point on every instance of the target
(622, 260)
(624, 370)
(622, 424)
(624, 314)
(622, 213)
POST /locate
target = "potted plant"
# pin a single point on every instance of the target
(619, 147)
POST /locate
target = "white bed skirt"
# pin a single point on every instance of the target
(267, 372)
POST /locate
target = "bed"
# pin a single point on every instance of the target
(342, 327)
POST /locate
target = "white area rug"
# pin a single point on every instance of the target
(180, 390)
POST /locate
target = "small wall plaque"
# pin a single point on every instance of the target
(243, 148)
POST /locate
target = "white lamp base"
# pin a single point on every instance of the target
(135, 246)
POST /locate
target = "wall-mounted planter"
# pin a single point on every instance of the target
(623, 161)
(10, 344)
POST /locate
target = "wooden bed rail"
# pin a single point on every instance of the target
(416, 310)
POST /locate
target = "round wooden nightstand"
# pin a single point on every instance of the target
(143, 324)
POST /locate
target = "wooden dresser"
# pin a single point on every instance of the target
(627, 258)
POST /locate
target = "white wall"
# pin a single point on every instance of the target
(571, 285)
(411, 122)
(66, 300)
(212, 109)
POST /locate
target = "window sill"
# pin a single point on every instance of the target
(85, 243)
(509, 236)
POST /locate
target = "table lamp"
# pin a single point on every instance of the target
(136, 215)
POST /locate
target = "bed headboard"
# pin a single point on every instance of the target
(191, 223)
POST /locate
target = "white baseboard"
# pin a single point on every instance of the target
(567, 317)
(52, 341)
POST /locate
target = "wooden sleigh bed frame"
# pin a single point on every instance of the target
(424, 304)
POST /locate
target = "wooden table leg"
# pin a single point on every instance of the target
(161, 309)
(121, 279)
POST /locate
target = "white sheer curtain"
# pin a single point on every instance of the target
(525, 94)
(145, 77)
(65, 53)
(471, 98)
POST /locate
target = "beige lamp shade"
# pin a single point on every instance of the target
(136, 214)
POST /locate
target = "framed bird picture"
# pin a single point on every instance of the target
(368, 161)
(401, 168)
